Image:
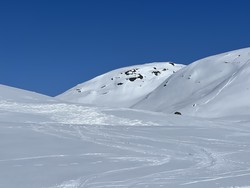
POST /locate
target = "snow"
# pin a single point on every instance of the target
(60, 145)
(46, 142)
(122, 87)
(212, 87)
(14, 94)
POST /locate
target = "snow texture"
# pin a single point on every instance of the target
(48, 143)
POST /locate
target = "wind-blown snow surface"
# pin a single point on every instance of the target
(122, 87)
(212, 87)
(49, 144)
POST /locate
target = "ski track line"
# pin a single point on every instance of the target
(34, 158)
(229, 81)
(215, 179)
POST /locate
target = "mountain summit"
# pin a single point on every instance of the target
(122, 87)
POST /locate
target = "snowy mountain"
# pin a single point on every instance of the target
(122, 87)
(48, 143)
(212, 87)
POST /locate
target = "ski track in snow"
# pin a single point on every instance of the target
(134, 153)
(201, 160)
(224, 84)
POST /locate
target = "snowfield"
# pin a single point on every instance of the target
(64, 145)
(46, 142)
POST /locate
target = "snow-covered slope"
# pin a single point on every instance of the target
(122, 87)
(8, 93)
(215, 86)
(46, 144)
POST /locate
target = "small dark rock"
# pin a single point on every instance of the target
(132, 79)
(156, 73)
(130, 72)
(177, 113)
(140, 76)
(79, 90)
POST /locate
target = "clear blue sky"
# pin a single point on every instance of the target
(49, 46)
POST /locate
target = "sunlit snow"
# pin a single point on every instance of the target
(50, 143)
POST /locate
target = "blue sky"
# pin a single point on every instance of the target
(49, 46)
